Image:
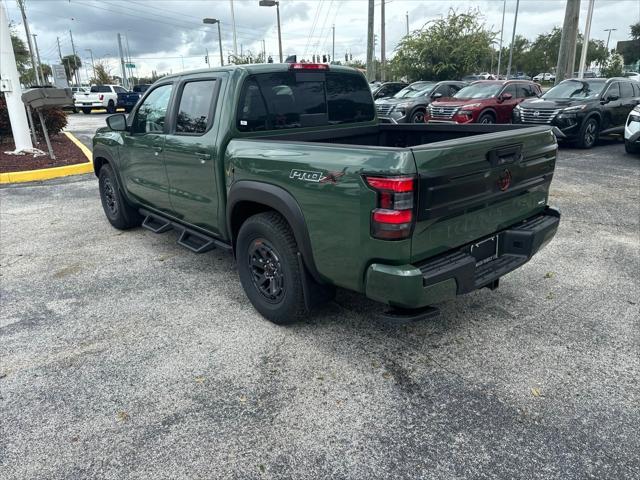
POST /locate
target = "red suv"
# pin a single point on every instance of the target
(484, 101)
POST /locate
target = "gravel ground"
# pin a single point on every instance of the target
(123, 355)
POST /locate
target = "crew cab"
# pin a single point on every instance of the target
(288, 167)
(99, 97)
(410, 104)
(484, 101)
(127, 99)
(582, 109)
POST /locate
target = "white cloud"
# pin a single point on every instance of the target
(165, 34)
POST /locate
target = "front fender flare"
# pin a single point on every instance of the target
(281, 201)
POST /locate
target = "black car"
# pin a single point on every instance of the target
(127, 100)
(410, 104)
(582, 109)
(388, 89)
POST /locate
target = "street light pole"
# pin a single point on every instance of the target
(585, 40)
(504, 9)
(93, 65)
(513, 37)
(212, 21)
(274, 3)
(609, 37)
(35, 43)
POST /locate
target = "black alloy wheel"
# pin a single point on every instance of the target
(266, 270)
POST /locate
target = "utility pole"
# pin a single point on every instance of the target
(75, 59)
(29, 44)
(585, 40)
(93, 65)
(609, 37)
(279, 31)
(383, 66)
(125, 82)
(35, 43)
(370, 66)
(207, 57)
(126, 42)
(407, 15)
(504, 9)
(11, 88)
(264, 52)
(333, 43)
(233, 25)
(59, 49)
(567, 53)
(513, 38)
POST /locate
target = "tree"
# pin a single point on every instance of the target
(72, 63)
(23, 59)
(102, 74)
(614, 66)
(445, 48)
(635, 31)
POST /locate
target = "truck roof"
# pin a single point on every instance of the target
(253, 68)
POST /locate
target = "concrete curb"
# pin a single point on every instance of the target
(55, 172)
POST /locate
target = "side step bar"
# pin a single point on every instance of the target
(197, 242)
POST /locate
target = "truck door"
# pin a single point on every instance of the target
(504, 107)
(141, 158)
(190, 153)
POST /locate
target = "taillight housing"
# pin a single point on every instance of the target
(393, 218)
(101, 97)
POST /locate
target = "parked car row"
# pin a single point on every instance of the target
(581, 110)
(107, 97)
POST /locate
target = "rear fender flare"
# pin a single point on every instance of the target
(278, 199)
(489, 110)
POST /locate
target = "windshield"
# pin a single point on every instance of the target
(575, 89)
(415, 90)
(479, 90)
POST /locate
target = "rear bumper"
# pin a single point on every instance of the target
(456, 272)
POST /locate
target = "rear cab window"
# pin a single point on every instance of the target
(100, 89)
(284, 100)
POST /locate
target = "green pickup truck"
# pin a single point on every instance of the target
(287, 167)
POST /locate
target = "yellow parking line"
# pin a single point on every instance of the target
(55, 172)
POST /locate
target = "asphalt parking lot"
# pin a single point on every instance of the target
(123, 355)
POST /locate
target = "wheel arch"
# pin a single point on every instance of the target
(247, 198)
(490, 111)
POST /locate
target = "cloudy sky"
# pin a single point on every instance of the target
(168, 35)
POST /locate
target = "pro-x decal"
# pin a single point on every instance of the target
(315, 177)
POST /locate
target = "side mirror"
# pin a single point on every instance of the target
(435, 96)
(117, 122)
(506, 96)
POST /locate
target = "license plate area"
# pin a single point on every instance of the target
(485, 250)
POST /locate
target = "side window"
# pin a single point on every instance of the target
(626, 90)
(151, 114)
(194, 112)
(511, 88)
(613, 89)
(119, 90)
(252, 112)
(453, 89)
(526, 90)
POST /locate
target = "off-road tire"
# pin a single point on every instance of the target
(119, 213)
(86, 111)
(111, 107)
(588, 134)
(486, 118)
(269, 231)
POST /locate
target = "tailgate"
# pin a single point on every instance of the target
(472, 187)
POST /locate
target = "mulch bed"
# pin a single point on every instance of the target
(66, 152)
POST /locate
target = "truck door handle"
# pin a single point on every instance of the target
(156, 150)
(203, 156)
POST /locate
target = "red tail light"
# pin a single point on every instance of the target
(101, 97)
(308, 66)
(393, 219)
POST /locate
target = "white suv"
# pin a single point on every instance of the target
(632, 131)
